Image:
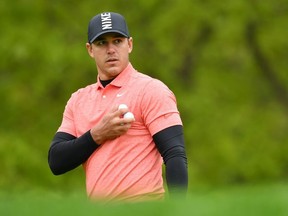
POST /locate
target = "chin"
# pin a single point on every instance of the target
(113, 72)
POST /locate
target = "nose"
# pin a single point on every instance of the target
(110, 48)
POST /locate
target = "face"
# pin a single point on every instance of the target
(111, 54)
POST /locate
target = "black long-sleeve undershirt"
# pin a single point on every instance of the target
(170, 144)
(68, 152)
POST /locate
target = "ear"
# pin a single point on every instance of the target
(89, 50)
(130, 44)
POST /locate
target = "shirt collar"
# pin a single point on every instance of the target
(121, 79)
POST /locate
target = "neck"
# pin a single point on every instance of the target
(106, 82)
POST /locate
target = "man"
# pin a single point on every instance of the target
(121, 156)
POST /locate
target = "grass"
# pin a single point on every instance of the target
(259, 200)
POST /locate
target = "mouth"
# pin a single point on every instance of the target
(111, 60)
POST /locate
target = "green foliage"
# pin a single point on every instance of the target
(225, 61)
(255, 201)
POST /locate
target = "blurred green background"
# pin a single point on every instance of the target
(226, 62)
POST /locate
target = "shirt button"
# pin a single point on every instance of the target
(104, 96)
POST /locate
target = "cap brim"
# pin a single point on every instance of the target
(108, 31)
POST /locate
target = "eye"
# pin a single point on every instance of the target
(100, 43)
(118, 41)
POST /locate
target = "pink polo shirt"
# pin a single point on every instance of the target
(129, 167)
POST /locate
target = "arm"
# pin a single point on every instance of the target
(170, 143)
(68, 152)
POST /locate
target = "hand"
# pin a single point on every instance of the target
(111, 126)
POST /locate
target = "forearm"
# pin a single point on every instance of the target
(176, 175)
(68, 152)
(170, 143)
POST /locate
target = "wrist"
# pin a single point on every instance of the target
(96, 137)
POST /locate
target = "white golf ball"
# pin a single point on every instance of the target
(128, 115)
(122, 106)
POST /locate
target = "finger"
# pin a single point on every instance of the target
(124, 121)
(124, 128)
(116, 113)
(121, 111)
(114, 108)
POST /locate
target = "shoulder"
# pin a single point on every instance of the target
(85, 90)
(149, 82)
(83, 93)
(152, 89)
(156, 88)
